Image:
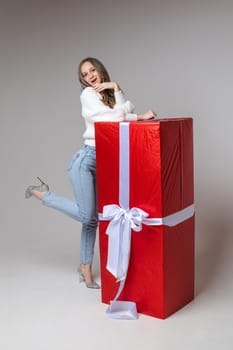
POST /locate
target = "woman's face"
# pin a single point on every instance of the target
(90, 74)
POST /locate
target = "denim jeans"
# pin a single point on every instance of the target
(82, 174)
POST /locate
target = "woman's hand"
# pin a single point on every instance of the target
(147, 115)
(108, 85)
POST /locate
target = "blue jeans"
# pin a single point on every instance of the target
(82, 174)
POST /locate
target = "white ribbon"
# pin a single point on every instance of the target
(122, 221)
(119, 240)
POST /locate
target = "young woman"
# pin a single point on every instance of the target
(101, 100)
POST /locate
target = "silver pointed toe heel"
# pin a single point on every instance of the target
(43, 187)
(81, 277)
(92, 285)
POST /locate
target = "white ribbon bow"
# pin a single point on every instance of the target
(122, 221)
(119, 232)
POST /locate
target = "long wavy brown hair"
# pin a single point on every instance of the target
(108, 97)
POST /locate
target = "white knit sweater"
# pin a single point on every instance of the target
(93, 110)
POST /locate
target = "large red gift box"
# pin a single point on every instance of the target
(160, 277)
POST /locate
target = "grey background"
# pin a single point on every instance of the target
(172, 56)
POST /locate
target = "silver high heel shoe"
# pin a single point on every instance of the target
(42, 188)
(92, 285)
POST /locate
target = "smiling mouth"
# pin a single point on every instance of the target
(93, 81)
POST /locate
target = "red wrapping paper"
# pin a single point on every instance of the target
(161, 270)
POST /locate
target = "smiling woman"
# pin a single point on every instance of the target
(101, 100)
(93, 73)
(90, 74)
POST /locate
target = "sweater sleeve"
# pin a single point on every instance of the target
(93, 109)
(122, 103)
(119, 97)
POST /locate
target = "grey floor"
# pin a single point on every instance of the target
(43, 306)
